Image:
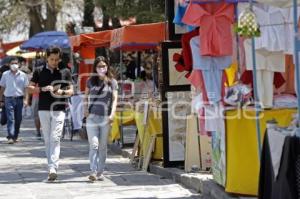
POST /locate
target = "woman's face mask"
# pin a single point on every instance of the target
(14, 67)
(101, 71)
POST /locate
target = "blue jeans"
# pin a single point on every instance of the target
(13, 108)
(98, 129)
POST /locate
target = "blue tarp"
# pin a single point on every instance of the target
(43, 40)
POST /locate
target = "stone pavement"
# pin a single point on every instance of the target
(23, 173)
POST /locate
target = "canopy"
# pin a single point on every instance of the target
(95, 39)
(138, 37)
(43, 40)
(16, 51)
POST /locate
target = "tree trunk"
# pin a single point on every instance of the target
(50, 22)
(35, 20)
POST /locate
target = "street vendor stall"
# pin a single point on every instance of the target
(265, 33)
(139, 38)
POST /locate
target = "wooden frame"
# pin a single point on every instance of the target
(173, 150)
(172, 80)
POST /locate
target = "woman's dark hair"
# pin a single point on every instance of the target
(53, 50)
(95, 81)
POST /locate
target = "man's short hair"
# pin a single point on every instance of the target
(14, 59)
(53, 50)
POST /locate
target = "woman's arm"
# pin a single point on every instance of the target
(114, 104)
(86, 101)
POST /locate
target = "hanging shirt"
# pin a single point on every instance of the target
(186, 48)
(272, 25)
(207, 62)
(215, 22)
(265, 60)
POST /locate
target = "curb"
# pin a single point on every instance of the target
(200, 182)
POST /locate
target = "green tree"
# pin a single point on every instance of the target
(145, 11)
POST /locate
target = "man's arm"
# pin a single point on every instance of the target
(1, 95)
(33, 88)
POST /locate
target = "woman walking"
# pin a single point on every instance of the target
(100, 107)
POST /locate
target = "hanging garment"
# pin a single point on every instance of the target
(212, 72)
(290, 30)
(186, 48)
(265, 87)
(272, 25)
(180, 11)
(215, 20)
(289, 77)
(265, 60)
(207, 62)
(284, 185)
(263, 83)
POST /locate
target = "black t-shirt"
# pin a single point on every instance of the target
(45, 77)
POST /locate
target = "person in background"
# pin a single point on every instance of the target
(13, 93)
(100, 106)
(54, 86)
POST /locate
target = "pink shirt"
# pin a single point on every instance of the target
(215, 21)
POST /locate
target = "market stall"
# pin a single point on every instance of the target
(236, 115)
(139, 38)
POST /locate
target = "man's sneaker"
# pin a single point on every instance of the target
(39, 136)
(52, 175)
(93, 177)
(100, 177)
(10, 141)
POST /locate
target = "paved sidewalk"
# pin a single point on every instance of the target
(23, 173)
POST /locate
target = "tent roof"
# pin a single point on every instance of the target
(138, 37)
(96, 39)
(44, 40)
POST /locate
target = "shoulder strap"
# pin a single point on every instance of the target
(94, 99)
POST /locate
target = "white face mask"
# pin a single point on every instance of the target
(101, 71)
(14, 67)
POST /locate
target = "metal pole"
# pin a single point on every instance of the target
(122, 96)
(256, 97)
(296, 54)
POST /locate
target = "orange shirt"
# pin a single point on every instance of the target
(215, 21)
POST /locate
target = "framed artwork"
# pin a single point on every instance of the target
(176, 106)
(175, 31)
(172, 79)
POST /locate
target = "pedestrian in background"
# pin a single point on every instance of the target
(14, 85)
(100, 106)
(54, 86)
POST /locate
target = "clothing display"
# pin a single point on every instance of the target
(212, 71)
(207, 62)
(179, 13)
(216, 21)
(265, 60)
(285, 101)
(279, 181)
(186, 48)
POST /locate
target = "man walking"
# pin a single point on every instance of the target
(54, 85)
(14, 84)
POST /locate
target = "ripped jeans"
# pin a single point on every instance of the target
(52, 123)
(98, 129)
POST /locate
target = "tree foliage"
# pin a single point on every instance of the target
(37, 15)
(145, 11)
